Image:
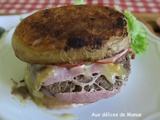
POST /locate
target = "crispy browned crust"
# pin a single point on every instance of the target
(71, 34)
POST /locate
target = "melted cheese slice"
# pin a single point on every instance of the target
(51, 75)
(111, 71)
(41, 76)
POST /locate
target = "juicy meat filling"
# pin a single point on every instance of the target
(91, 84)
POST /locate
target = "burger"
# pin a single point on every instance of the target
(75, 54)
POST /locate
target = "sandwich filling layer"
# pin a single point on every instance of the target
(95, 81)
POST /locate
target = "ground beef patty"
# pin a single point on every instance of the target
(91, 84)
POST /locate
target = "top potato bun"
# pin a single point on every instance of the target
(71, 34)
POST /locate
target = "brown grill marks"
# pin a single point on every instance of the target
(59, 25)
(76, 42)
(119, 23)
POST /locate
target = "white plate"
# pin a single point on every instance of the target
(141, 95)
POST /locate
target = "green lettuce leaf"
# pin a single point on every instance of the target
(21, 19)
(79, 2)
(137, 33)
